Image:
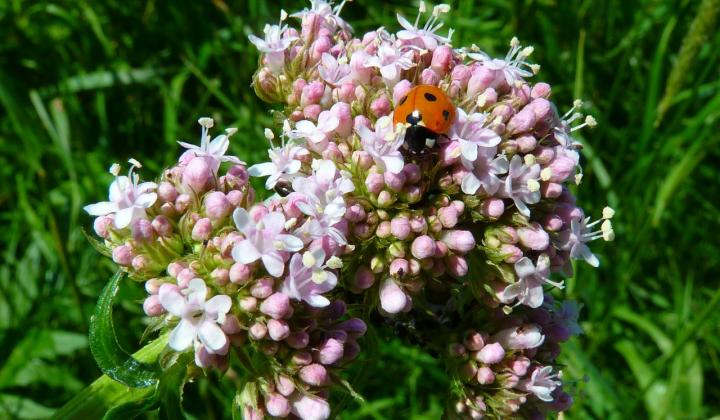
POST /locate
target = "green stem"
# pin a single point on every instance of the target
(104, 393)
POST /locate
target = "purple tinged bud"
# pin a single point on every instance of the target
(355, 327)
(152, 286)
(520, 366)
(392, 298)
(248, 304)
(278, 329)
(553, 223)
(312, 112)
(461, 73)
(429, 77)
(492, 207)
(412, 193)
(412, 172)
(346, 92)
(526, 144)
(491, 353)
(459, 240)
(544, 155)
(276, 306)
(485, 376)
(562, 168)
(380, 106)
(174, 268)
(284, 385)
(481, 79)
(220, 276)
(441, 249)
(239, 273)
(394, 181)
(142, 231)
(533, 237)
(551, 189)
(166, 192)
(374, 183)
(442, 60)
(152, 306)
(400, 227)
(231, 325)
(456, 265)
(423, 247)
(330, 352)
(162, 226)
(217, 205)
(202, 229)
(364, 278)
(197, 175)
(263, 288)
(399, 268)
(355, 213)
(540, 90)
(511, 254)
(400, 90)
(298, 339)
(182, 203)
(102, 226)
(302, 358)
(385, 199)
(491, 97)
(474, 341)
(184, 276)
(277, 405)
(528, 336)
(418, 224)
(314, 374)
(362, 230)
(342, 111)
(312, 93)
(522, 122)
(362, 159)
(456, 350)
(257, 331)
(448, 216)
(384, 229)
(122, 255)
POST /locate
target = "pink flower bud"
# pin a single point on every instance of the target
(362, 159)
(263, 288)
(461, 74)
(355, 213)
(392, 298)
(540, 90)
(277, 405)
(374, 182)
(448, 216)
(400, 90)
(197, 175)
(284, 385)
(491, 353)
(399, 267)
(298, 340)
(341, 110)
(162, 226)
(544, 155)
(312, 93)
(442, 60)
(492, 207)
(202, 229)
(122, 255)
(380, 106)
(456, 265)
(394, 181)
(553, 223)
(520, 365)
(400, 227)
(311, 407)
(533, 237)
(429, 77)
(102, 226)
(526, 144)
(474, 341)
(450, 153)
(220, 276)
(364, 278)
(562, 168)
(510, 253)
(278, 329)
(276, 306)
(459, 240)
(412, 172)
(485, 376)
(456, 350)
(522, 122)
(481, 79)
(362, 230)
(467, 371)
(441, 249)
(385, 199)
(239, 273)
(257, 331)
(355, 327)
(312, 112)
(346, 92)
(383, 230)
(330, 352)
(412, 193)
(551, 189)
(423, 247)
(217, 205)
(152, 306)
(166, 192)
(231, 325)
(418, 224)
(528, 336)
(248, 304)
(314, 374)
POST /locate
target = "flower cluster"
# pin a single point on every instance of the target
(468, 238)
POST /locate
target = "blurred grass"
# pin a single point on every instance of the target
(83, 84)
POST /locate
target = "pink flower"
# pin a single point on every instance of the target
(334, 71)
(309, 278)
(200, 320)
(513, 67)
(471, 132)
(284, 164)
(529, 288)
(542, 383)
(425, 36)
(264, 241)
(213, 151)
(274, 45)
(521, 184)
(484, 173)
(383, 145)
(317, 134)
(391, 61)
(128, 199)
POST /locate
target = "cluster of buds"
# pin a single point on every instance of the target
(477, 224)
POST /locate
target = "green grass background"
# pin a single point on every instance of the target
(86, 83)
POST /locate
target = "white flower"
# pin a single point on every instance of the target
(274, 45)
(542, 383)
(513, 66)
(527, 336)
(200, 320)
(309, 278)
(213, 150)
(485, 171)
(317, 134)
(426, 34)
(334, 71)
(471, 133)
(521, 184)
(581, 232)
(128, 199)
(264, 241)
(529, 288)
(283, 165)
(383, 145)
(391, 61)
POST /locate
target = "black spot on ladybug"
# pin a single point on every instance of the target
(446, 114)
(430, 97)
(414, 118)
(402, 101)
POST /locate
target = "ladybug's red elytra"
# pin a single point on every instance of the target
(430, 113)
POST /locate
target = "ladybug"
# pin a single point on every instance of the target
(430, 113)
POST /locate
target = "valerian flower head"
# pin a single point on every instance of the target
(264, 240)
(383, 145)
(200, 319)
(129, 199)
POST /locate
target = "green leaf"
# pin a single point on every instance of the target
(132, 409)
(15, 407)
(110, 357)
(170, 388)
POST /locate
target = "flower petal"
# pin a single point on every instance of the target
(219, 304)
(212, 336)
(524, 267)
(124, 217)
(245, 252)
(274, 264)
(182, 336)
(172, 301)
(101, 209)
(241, 218)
